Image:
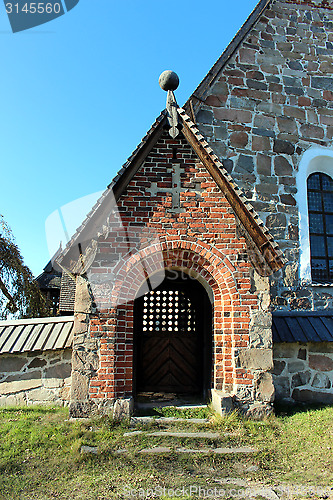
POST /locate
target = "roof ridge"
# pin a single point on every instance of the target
(256, 229)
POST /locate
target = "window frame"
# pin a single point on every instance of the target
(315, 159)
(326, 253)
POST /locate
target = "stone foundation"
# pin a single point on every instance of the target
(118, 409)
(303, 372)
(221, 402)
(35, 378)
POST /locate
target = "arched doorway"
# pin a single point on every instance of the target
(173, 338)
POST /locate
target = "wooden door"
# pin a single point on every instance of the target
(169, 338)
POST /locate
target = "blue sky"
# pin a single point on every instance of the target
(79, 93)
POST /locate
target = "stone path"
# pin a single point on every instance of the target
(187, 434)
(217, 451)
(197, 435)
(239, 487)
(167, 420)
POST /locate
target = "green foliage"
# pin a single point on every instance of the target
(19, 292)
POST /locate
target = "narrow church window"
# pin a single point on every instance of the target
(320, 206)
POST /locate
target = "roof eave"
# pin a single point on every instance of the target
(92, 226)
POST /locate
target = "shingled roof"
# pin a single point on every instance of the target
(251, 221)
(94, 224)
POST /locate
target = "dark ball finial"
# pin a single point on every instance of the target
(168, 80)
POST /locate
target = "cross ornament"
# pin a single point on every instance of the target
(175, 190)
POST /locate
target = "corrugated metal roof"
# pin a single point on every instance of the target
(36, 334)
(302, 326)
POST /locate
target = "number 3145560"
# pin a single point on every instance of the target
(33, 8)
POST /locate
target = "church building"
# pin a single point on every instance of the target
(205, 270)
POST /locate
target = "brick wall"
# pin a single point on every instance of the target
(271, 103)
(193, 228)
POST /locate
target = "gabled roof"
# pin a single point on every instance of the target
(249, 218)
(200, 92)
(92, 226)
(258, 234)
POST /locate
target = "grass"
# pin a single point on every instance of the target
(40, 455)
(172, 411)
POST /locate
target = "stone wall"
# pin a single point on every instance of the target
(271, 102)
(303, 372)
(35, 378)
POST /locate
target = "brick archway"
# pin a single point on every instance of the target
(230, 315)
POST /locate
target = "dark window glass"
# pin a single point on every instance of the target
(316, 223)
(319, 269)
(327, 183)
(314, 181)
(317, 244)
(331, 269)
(320, 205)
(328, 202)
(330, 246)
(329, 224)
(315, 201)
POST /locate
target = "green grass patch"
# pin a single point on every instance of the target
(40, 453)
(173, 411)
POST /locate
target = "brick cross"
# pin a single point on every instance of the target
(175, 190)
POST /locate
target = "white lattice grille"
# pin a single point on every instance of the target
(168, 311)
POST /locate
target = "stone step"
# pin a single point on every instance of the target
(166, 449)
(167, 420)
(216, 451)
(166, 404)
(178, 434)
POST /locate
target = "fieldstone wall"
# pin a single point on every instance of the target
(88, 351)
(271, 102)
(35, 378)
(303, 372)
(258, 357)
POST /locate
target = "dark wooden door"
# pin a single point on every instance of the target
(169, 338)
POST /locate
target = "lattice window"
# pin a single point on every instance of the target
(168, 311)
(320, 205)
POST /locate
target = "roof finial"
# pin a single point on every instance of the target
(169, 82)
